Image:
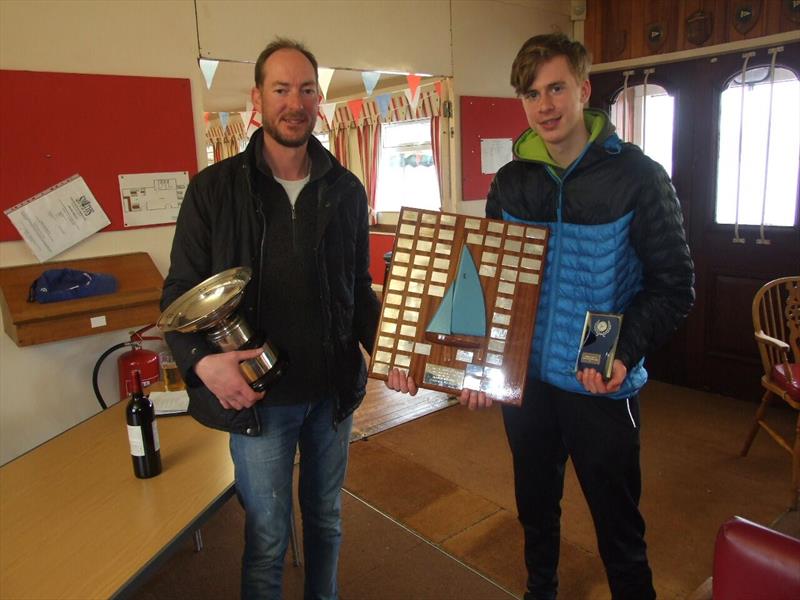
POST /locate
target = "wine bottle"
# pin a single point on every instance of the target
(142, 432)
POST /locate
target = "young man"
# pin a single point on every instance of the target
(288, 210)
(616, 245)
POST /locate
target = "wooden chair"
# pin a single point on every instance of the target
(776, 320)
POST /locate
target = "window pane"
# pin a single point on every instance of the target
(647, 121)
(406, 172)
(779, 204)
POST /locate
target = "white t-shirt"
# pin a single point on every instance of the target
(293, 188)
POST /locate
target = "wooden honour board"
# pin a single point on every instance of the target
(510, 261)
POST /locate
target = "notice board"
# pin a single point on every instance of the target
(54, 125)
(485, 118)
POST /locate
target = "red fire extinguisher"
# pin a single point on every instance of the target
(136, 359)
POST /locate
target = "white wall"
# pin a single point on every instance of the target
(46, 389)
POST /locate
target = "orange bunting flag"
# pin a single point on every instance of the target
(438, 87)
(413, 83)
(355, 108)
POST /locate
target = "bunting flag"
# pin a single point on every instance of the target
(223, 117)
(325, 75)
(370, 79)
(355, 108)
(209, 68)
(413, 83)
(329, 110)
(438, 87)
(253, 118)
(383, 101)
(413, 100)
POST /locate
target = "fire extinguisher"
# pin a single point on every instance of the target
(136, 359)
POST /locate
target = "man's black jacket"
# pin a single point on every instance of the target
(221, 226)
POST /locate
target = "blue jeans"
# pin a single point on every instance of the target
(264, 466)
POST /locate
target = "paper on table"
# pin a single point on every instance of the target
(58, 217)
(170, 403)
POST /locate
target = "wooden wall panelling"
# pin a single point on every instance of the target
(616, 33)
(617, 29)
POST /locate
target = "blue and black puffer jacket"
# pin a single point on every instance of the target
(617, 244)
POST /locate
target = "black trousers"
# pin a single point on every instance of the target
(601, 436)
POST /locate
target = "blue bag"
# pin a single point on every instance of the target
(55, 285)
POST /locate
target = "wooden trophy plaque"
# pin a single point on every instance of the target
(459, 303)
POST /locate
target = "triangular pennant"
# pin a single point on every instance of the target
(355, 108)
(325, 76)
(208, 67)
(223, 117)
(413, 82)
(383, 101)
(329, 110)
(413, 100)
(252, 118)
(370, 79)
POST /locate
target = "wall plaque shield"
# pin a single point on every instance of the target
(746, 15)
(699, 26)
(791, 10)
(656, 35)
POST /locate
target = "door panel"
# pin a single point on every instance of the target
(714, 349)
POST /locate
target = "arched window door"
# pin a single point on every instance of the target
(714, 349)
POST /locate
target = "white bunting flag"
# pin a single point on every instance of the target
(208, 67)
(413, 100)
(370, 79)
(329, 110)
(325, 76)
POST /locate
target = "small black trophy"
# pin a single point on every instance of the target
(599, 342)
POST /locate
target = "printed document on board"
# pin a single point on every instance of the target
(58, 217)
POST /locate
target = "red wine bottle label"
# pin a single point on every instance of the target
(135, 440)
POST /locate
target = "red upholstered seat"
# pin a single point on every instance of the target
(792, 387)
(752, 561)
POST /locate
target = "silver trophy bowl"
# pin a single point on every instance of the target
(210, 307)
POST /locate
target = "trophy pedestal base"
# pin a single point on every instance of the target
(264, 382)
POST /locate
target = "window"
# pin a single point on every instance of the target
(645, 119)
(406, 172)
(761, 180)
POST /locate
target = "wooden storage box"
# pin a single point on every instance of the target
(135, 303)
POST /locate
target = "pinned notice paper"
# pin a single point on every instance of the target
(58, 218)
(495, 152)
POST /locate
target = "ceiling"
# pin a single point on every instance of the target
(232, 82)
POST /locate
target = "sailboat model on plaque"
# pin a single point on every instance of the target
(460, 319)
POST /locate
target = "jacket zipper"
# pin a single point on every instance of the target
(548, 333)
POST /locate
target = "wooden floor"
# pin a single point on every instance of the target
(383, 408)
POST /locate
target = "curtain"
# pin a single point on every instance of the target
(225, 141)
(338, 136)
(369, 143)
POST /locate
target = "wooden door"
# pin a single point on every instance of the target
(714, 349)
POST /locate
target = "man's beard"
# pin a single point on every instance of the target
(273, 132)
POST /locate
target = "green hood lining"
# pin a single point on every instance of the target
(529, 146)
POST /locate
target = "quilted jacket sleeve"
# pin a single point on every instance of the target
(658, 237)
